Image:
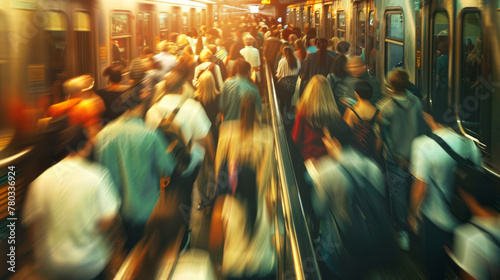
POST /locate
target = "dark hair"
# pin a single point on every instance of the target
(322, 51)
(246, 190)
(339, 68)
(176, 78)
(364, 89)
(311, 32)
(290, 58)
(234, 53)
(79, 137)
(114, 72)
(241, 67)
(399, 80)
(340, 130)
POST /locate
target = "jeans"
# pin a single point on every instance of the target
(398, 184)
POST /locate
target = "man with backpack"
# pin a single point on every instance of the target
(433, 188)
(348, 197)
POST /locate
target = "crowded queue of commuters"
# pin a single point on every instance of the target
(346, 135)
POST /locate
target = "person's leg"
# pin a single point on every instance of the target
(134, 234)
(398, 183)
(434, 255)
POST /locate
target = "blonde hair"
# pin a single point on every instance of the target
(206, 91)
(189, 54)
(205, 55)
(317, 103)
(333, 43)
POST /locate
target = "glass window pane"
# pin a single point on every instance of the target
(163, 20)
(120, 51)
(394, 56)
(81, 26)
(341, 20)
(360, 44)
(120, 24)
(440, 59)
(55, 40)
(394, 23)
(475, 95)
(56, 22)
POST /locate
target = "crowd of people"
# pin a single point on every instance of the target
(208, 90)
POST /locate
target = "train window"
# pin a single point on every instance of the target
(163, 26)
(370, 52)
(475, 100)
(341, 25)
(121, 37)
(82, 29)
(56, 33)
(120, 24)
(329, 22)
(317, 22)
(198, 25)
(394, 44)
(298, 15)
(204, 17)
(440, 59)
(360, 44)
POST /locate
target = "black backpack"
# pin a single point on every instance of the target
(367, 238)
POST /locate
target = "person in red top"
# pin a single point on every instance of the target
(315, 110)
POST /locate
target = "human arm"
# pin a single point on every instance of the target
(420, 168)
(348, 117)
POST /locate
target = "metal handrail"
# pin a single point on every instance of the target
(295, 220)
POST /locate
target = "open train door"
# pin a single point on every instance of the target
(476, 76)
(437, 66)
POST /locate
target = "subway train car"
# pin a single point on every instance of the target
(45, 41)
(449, 48)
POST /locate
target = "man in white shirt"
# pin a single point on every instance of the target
(252, 56)
(434, 181)
(71, 208)
(166, 58)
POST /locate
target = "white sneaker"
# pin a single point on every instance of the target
(403, 240)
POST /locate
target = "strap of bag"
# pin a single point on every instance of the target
(491, 236)
(447, 148)
(172, 115)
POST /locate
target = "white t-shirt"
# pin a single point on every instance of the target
(432, 165)
(284, 70)
(191, 118)
(66, 204)
(475, 252)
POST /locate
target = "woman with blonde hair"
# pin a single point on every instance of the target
(315, 110)
(300, 52)
(206, 64)
(208, 96)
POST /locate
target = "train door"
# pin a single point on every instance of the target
(371, 47)
(359, 28)
(328, 21)
(477, 74)
(144, 29)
